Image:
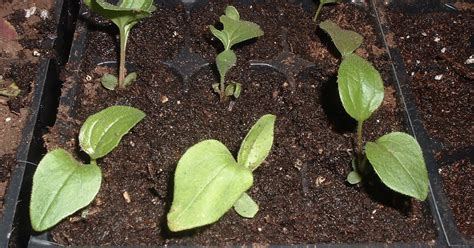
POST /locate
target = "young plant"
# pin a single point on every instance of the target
(61, 184)
(11, 90)
(235, 31)
(396, 157)
(320, 6)
(125, 15)
(208, 181)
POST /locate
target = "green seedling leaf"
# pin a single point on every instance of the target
(102, 132)
(398, 161)
(207, 183)
(235, 30)
(225, 60)
(130, 78)
(360, 87)
(61, 186)
(233, 89)
(238, 89)
(257, 144)
(346, 41)
(229, 90)
(215, 87)
(11, 90)
(109, 81)
(354, 177)
(245, 206)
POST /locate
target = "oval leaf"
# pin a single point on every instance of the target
(109, 81)
(346, 41)
(258, 143)
(360, 87)
(207, 183)
(61, 186)
(102, 132)
(245, 206)
(398, 161)
(225, 60)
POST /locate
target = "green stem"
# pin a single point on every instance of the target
(222, 89)
(360, 155)
(317, 12)
(123, 46)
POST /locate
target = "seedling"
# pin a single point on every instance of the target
(208, 181)
(125, 15)
(320, 6)
(61, 184)
(11, 90)
(395, 157)
(235, 31)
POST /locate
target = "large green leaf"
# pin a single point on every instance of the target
(398, 161)
(207, 183)
(61, 186)
(245, 206)
(235, 30)
(225, 60)
(258, 143)
(102, 132)
(346, 41)
(360, 87)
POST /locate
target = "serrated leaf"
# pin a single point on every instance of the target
(61, 186)
(360, 87)
(109, 81)
(130, 78)
(354, 177)
(102, 132)
(225, 60)
(346, 41)
(258, 143)
(235, 30)
(245, 206)
(11, 90)
(398, 161)
(207, 183)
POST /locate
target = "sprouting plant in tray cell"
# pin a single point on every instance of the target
(235, 31)
(124, 15)
(320, 6)
(395, 157)
(10, 90)
(208, 181)
(61, 184)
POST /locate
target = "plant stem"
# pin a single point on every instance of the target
(222, 89)
(317, 12)
(359, 147)
(123, 46)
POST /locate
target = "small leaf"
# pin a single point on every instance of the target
(207, 183)
(238, 90)
(229, 90)
(346, 41)
(215, 87)
(102, 132)
(61, 186)
(257, 144)
(354, 177)
(245, 206)
(398, 161)
(360, 87)
(130, 78)
(109, 81)
(11, 90)
(225, 60)
(232, 13)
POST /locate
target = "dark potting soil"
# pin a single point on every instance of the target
(459, 185)
(300, 188)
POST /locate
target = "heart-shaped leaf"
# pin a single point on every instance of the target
(258, 143)
(61, 186)
(207, 183)
(398, 161)
(245, 206)
(102, 132)
(346, 41)
(360, 87)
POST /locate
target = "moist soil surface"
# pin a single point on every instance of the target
(301, 187)
(24, 30)
(438, 51)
